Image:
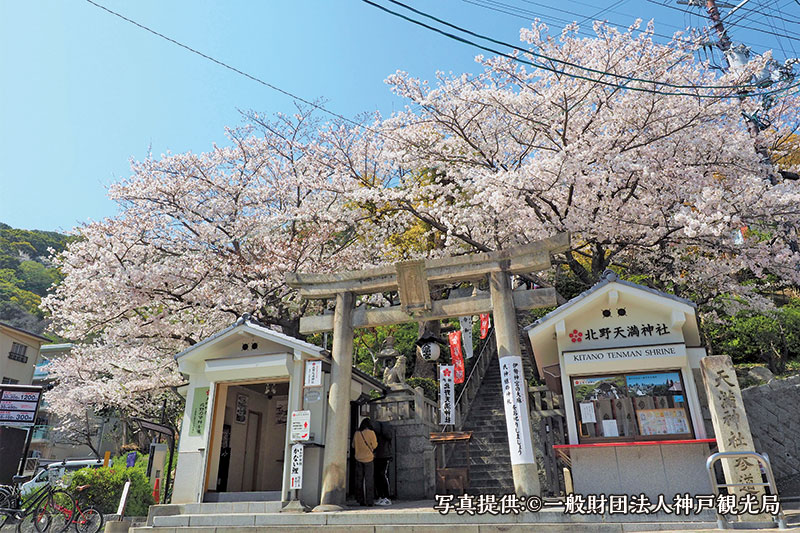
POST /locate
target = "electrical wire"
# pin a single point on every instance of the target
(729, 24)
(627, 79)
(234, 69)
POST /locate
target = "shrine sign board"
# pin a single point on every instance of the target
(730, 423)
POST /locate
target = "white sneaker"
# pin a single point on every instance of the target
(383, 501)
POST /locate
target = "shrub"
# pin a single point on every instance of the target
(106, 486)
(430, 387)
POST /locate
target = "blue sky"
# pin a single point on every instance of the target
(82, 91)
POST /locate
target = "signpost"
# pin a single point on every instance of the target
(170, 434)
(19, 405)
(299, 432)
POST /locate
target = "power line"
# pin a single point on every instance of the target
(627, 79)
(730, 24)
(234, 69)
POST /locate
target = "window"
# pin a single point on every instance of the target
(640, 406)
(17, 352)
(10, 381)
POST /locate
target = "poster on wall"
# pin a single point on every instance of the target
(313, 377)
(301, 426)
(241, 408)
(281, 410)
(199, 408)
(663, 421)
(515, 392)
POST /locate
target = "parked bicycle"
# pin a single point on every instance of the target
(48, 509)
(87, 518)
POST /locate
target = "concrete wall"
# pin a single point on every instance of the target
(773, 411)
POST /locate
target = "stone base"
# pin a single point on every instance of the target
(327, 508)
(296, 506)
(117, 527)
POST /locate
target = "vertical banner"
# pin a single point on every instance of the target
(485, 324)
(517, 417)
(296, 475)
(446, 395)
(466, 335)
(456, 357)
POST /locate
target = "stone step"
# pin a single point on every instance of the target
(420, 516)
(463, 527)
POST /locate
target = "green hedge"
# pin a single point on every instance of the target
(106, 486)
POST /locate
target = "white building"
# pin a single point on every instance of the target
(244, 383)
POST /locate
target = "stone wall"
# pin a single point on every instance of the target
(773, 411)
(415, 470)
(412, 417)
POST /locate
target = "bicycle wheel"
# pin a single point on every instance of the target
(88, 520)
(55, 513)
(33, 523)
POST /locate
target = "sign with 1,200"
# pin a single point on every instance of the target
(19, 404)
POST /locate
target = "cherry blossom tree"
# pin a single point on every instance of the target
(200, 240)
(658, 184)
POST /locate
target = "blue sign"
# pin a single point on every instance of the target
(130, 460)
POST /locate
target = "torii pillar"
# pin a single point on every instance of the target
(413, 280)
(526, 475)
(334, 469)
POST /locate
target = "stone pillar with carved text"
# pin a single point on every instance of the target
(334, 470)
(730, 423)
(515, 389)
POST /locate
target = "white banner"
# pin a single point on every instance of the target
(466, 335)
(296, 474)
(515, 401)
(447, 398)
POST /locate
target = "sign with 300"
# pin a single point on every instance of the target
(19, 404)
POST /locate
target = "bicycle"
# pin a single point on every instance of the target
(42, 511)
(86, 519)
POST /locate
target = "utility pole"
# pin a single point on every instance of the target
(713, 13)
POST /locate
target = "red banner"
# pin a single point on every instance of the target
(484, 325)
(456, 356)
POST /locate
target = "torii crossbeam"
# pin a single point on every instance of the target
(413, 281)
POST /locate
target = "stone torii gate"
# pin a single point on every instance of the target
(413, 281)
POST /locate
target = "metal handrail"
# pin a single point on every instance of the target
(472, 370)
(465, 386)
(722, 522)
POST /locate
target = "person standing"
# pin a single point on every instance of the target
(383, 455)
(365, 442)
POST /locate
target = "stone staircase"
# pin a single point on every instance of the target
(402, 517)
(490, 462)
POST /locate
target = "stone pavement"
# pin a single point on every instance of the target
(408, 517)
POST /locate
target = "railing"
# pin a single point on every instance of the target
(41, 432)
(470, 388)
(409, 406)
(722, 522)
